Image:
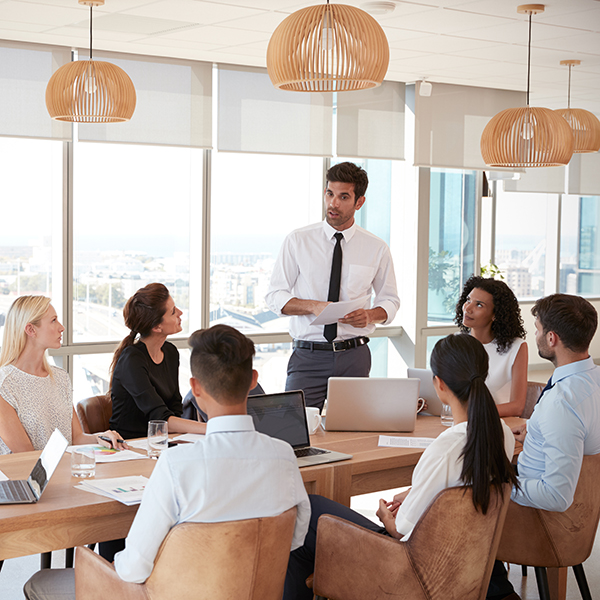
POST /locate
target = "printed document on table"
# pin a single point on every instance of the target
(333, 312)
(107, 455)
(189, 437)
(3, 477)
(404, 442)
(128, 490)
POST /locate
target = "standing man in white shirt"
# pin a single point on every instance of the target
(326, 262)
(565, 424)
(231, 474)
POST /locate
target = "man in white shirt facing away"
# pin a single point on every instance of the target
(231, 474)
(565, 424)
(305, 280)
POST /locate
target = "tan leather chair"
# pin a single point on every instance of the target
(94, 413)
(534, 391)
(542, 539)
(452, 547)
(245, 560)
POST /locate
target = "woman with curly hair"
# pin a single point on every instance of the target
(489, 311)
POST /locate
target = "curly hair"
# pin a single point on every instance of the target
(507, 324)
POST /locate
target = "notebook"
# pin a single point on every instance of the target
(371, 404)
(283, 416)
(427, 391)
(30, 490)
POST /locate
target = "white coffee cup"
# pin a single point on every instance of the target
(313, 418)
(420, 404)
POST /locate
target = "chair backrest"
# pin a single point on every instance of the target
(534, 391)
(246, 560)
(542, 538)
(94, 413)
(453, 546)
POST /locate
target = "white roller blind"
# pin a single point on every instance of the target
(370, 123)
(24, 75)
(449, 123)
(584, 174)
(548, 180)
(254, 116)
(174, 103)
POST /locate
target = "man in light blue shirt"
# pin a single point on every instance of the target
(565, 424)
(231, 474)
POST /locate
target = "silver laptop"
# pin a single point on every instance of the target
(283, 416)
(427, 391)
(371, 404)
(28, 491)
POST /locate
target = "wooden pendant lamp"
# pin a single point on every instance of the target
(328, 48)
(90, 91)
(584, 124)
(527, 137)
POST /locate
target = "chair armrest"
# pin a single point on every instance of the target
(354, 563)
(96, 579)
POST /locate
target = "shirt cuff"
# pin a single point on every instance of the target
(390, 310)
(278, 300)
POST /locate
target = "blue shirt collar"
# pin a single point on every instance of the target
(572, 368)
(230, 423)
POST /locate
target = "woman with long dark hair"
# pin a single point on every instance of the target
(145, 367)
(476, 451)
(489, 311)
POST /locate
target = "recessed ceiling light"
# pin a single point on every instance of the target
(379, 7)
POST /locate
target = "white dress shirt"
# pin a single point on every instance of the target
(231, 474)
(564, 426)
(439, 468)
(303, 269)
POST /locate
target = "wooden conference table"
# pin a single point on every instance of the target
(67, 517)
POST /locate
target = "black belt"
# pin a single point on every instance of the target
(335, 346)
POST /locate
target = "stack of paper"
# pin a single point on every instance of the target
(404, 442)
(127, 490)
(107, 455)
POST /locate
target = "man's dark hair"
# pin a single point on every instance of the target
(571, 318)
(348, 172)
(222, 362)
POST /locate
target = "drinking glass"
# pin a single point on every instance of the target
(446, 415)
(158, 435)
(83, 463)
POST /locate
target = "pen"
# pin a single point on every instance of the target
(107, 439)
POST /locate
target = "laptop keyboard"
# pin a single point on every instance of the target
(14, 490)
(302, 452)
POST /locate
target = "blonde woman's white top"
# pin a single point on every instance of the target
(499, 379)
(41, 403)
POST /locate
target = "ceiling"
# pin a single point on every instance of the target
(468, 42)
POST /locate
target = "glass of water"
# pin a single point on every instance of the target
(83, 462)
(158, 435)
(446, 415)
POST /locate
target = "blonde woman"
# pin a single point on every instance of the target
(35, 397)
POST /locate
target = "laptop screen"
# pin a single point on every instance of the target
(47, 462)
(281, 416)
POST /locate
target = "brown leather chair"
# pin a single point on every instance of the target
(246, 560)
(542, 539)
(534, 391)
(94, 413)
(452, 547)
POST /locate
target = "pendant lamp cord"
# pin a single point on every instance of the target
(91, 31)
(569, 99)
(529, 59)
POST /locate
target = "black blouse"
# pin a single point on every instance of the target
(143, 391)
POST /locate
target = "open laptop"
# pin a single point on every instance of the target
(371, 404)
(283, 416)
(427, 391)
(28, 491)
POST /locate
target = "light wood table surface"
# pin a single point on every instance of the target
(67, 517)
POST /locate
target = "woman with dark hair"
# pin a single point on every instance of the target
(490, 312)
(476, 451)
(145, 370)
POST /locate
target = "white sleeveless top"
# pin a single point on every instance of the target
(499, 378)
(42, 403)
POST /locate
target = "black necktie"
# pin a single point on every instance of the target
(330, 331)
(549, 386)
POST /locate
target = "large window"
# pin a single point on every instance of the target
(31, 189)
(452, 228)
